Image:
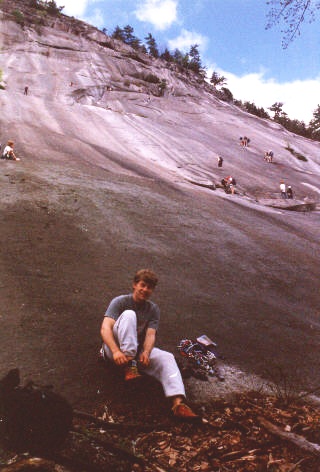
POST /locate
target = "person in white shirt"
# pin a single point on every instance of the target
(283, 189)
(8, 152)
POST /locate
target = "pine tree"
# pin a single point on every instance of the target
(167, 56)
(130, 38)
(277, 110)
(217, 79)
(152, 45)
(128, 34)
(314, 124)
(195, 60)
(118, 33)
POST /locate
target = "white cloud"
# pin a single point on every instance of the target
(79, 8)
(75, 8)
(300, 97)
(95, 18)
(160, 13)
(187, 39)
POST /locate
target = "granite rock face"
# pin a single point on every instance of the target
(116, 175)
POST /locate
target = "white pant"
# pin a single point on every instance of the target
(162, 366)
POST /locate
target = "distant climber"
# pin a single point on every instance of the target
(220, 161)
(244, 141)
(26, 89)
(283, 191)
(229, 184)
(268, 156)
(289, 192)
(8, 152)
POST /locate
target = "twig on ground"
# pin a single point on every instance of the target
(111, 425)
(110, 446)
(299, 441)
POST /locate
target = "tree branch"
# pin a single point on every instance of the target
(294, 438)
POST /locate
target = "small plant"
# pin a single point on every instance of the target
(162, 87)
(283, 386)
(296, 154)
(18, 16)
(151, 78)
(126, 83)
(49, 5)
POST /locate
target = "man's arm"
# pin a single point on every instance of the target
(107, 336)
(148, 345)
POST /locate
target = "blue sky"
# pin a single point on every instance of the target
(232, 40)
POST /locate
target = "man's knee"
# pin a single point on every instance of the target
(163, 357)
(129, 314)
(127, 318)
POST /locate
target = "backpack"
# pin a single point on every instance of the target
(33, 418)
(234, 181)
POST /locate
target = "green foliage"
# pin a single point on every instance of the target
(53, 8)
(152, 46)
(195, 60)
(226, 95)
(277, 109)
(162, 87)
(126, 35)
(254, 110)
(167, 56)
(314, 124)
(190, 60)
(49, 5)
(283, 386)
(217, 79)
(296, 154)
(130, 38)
(118, 33)
(18, 17)
(151, 78)
(34, 4)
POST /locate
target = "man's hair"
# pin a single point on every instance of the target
(147, 275)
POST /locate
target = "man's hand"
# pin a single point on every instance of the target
(144, 358)
(120, 358)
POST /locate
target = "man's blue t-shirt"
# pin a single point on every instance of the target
(148, 313)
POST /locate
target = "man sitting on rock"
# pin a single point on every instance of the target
(8, 152)
(129, 333)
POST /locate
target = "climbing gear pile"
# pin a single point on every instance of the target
(202, 360)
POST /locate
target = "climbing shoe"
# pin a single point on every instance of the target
(184, 412)
(131, 371)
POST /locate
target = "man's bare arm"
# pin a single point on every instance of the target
(148, 345)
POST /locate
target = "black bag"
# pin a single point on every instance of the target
(33, 418)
